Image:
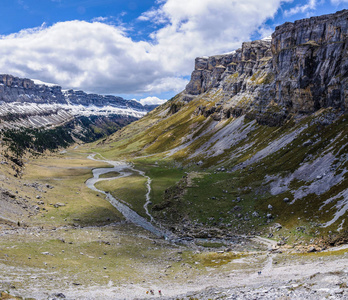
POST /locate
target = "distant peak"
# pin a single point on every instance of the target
(39, 82)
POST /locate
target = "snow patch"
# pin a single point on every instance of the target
(267, 39)
(39, 82)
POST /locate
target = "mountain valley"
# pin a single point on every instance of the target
(244, 174)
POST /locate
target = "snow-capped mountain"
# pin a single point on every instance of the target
(33, 103)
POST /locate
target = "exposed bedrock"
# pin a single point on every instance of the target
(303, 68)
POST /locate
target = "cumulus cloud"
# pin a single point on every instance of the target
(204, 27)
(103, 58)
(310, 5)
(92, 56)
(152, 101)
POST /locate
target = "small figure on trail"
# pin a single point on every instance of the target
(152, 293)
(259, 272)
(147, 292)
(160, 292)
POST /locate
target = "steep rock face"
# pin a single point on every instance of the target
(302, 69)
(82, 98)
(210, 72)
(14, 89)
(25, 103)
(311, 63)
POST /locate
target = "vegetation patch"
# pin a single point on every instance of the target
(215, 259)
(131, 189)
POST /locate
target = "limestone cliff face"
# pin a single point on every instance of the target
(14, 89)
(24, 103)
(310, 61)
(211, 72)
(303, 68)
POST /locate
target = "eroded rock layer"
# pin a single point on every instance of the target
(301, 69)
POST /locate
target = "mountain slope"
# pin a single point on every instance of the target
(261, 134)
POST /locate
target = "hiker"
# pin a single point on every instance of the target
(160, 293)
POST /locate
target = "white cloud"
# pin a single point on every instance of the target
(337, 2)
(310, 5)
(152, 101)
(167, 83)
(100, 19)
(205, 27)
(102, 58)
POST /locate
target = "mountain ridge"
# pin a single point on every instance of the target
(261, 134)
(27, 104)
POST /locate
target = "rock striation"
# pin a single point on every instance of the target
(28, 103)
(301, 69)
(14, 89)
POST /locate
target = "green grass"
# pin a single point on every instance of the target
(131, 189)
(67, 174)
(213, 259)
(162, 178)
(109, 175)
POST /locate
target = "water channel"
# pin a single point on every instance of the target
(125, 169)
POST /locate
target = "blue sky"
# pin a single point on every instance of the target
(142, 49)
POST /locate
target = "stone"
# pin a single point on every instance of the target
(58, 295)
(237, 208)
(270, 206)
(277, 226)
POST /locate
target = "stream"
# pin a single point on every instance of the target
(124, 169)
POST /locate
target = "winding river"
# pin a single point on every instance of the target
(124, 169)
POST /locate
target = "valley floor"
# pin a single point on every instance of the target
(124, 262)
(68, 242)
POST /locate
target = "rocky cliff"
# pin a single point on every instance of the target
(28, 103)
(14, 89)
(301, 69)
